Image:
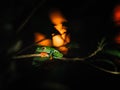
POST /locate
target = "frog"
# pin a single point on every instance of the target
(46, 53)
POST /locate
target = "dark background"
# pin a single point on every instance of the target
(89, 21)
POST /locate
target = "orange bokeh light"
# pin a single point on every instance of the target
(116, 15)
(60, 40)
(56, 17)
(117, 39)
(43, 40)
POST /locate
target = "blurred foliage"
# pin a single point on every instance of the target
(114, 52)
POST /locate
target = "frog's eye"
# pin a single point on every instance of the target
(55, 51)
(43, 48)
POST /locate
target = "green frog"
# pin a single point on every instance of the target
(46, 53)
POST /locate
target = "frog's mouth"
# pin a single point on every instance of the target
(44, 54)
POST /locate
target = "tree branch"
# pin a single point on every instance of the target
(99, 48)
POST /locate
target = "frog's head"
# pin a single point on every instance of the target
(46, 49)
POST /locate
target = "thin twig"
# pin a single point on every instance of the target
(105, 70)
(100, 47)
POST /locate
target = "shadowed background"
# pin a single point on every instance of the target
(88, 22)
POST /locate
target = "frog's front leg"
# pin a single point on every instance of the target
(57, 54)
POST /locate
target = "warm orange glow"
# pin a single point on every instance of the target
(39, 36)
(57, 41)
(57, 19)
(45, 42)
(60, 40)
(63, 49)
(117, 39)
(116, 15)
